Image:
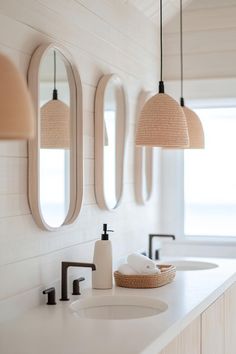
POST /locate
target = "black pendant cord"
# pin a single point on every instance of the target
(54, 96)
(161, 83)
(181, 57)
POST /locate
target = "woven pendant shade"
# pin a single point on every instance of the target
(195, 129)
(55, 125)
(16, 109)
(162, 123)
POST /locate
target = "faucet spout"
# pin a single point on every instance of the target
(151, 236)
(64, 268)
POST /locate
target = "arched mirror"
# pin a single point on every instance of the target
(55, 155)
(110, 131)
(143, 162)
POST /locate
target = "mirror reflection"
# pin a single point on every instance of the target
(110, 113)
(54, 159)
(143, 162)
(146, 173)
(110, 122)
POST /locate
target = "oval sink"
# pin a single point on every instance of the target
(117, 307)
(186, 265)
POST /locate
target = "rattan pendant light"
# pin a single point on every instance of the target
(162, 121)
(195, 129)
(16, 108)
(55, 121)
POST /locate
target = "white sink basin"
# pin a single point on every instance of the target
(117, 307)
(187, 265)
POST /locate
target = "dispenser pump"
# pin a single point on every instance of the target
(105, 235)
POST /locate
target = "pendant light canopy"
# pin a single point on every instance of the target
(16, 109)
(195, 129)
(55, 121)
(162, 121)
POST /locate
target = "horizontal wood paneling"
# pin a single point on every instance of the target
(202, 66)
(204, 19)
(209, 31)
(118, 15)
(46, 20)
(212, 4)
(214, 40)
(13, 175)
(13, 205)
(13, 148)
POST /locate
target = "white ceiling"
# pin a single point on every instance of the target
(150, 8)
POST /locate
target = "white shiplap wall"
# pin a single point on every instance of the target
(209, 41)
(103, 37)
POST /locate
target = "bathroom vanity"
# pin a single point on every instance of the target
(197, 315)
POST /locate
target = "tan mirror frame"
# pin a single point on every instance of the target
(99, 143)
(76, 155)
(140, 160)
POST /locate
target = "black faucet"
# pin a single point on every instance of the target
(64, 267)
(76, 286)
(51, 292)
(150, 244)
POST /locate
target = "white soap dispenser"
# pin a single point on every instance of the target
(102, 276)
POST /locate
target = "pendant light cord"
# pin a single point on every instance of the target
(161, 49)
(181, 56)
(55, 69)
(161, 83)
(54, 96)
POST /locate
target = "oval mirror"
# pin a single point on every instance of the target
(110, 131)
(143, 162)
(55, 155)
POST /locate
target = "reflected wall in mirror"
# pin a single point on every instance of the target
(143, 162)
(55, 155)
(110, 131)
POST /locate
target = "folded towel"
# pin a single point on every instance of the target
(126, 269)
(142, 264)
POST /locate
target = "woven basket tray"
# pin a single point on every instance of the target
(146, 281)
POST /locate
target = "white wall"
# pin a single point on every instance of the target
(209, 71)
(103, 37)
(209, 45)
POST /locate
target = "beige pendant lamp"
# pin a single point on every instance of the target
(195, 129)
(16, 108)
(55, 121)
(162, 122)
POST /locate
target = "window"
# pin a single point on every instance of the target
(210, 176)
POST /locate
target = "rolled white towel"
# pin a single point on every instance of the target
(126, 269)
(142, 264)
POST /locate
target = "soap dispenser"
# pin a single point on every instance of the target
(102, 276)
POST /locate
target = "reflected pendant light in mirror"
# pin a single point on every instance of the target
(162, 121)
(195, 129)
(16, 109)
(55, 120)
(56, 174)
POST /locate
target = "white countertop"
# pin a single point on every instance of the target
(56, 329)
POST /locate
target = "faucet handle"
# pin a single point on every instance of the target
(51, 292)
(76, 286)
